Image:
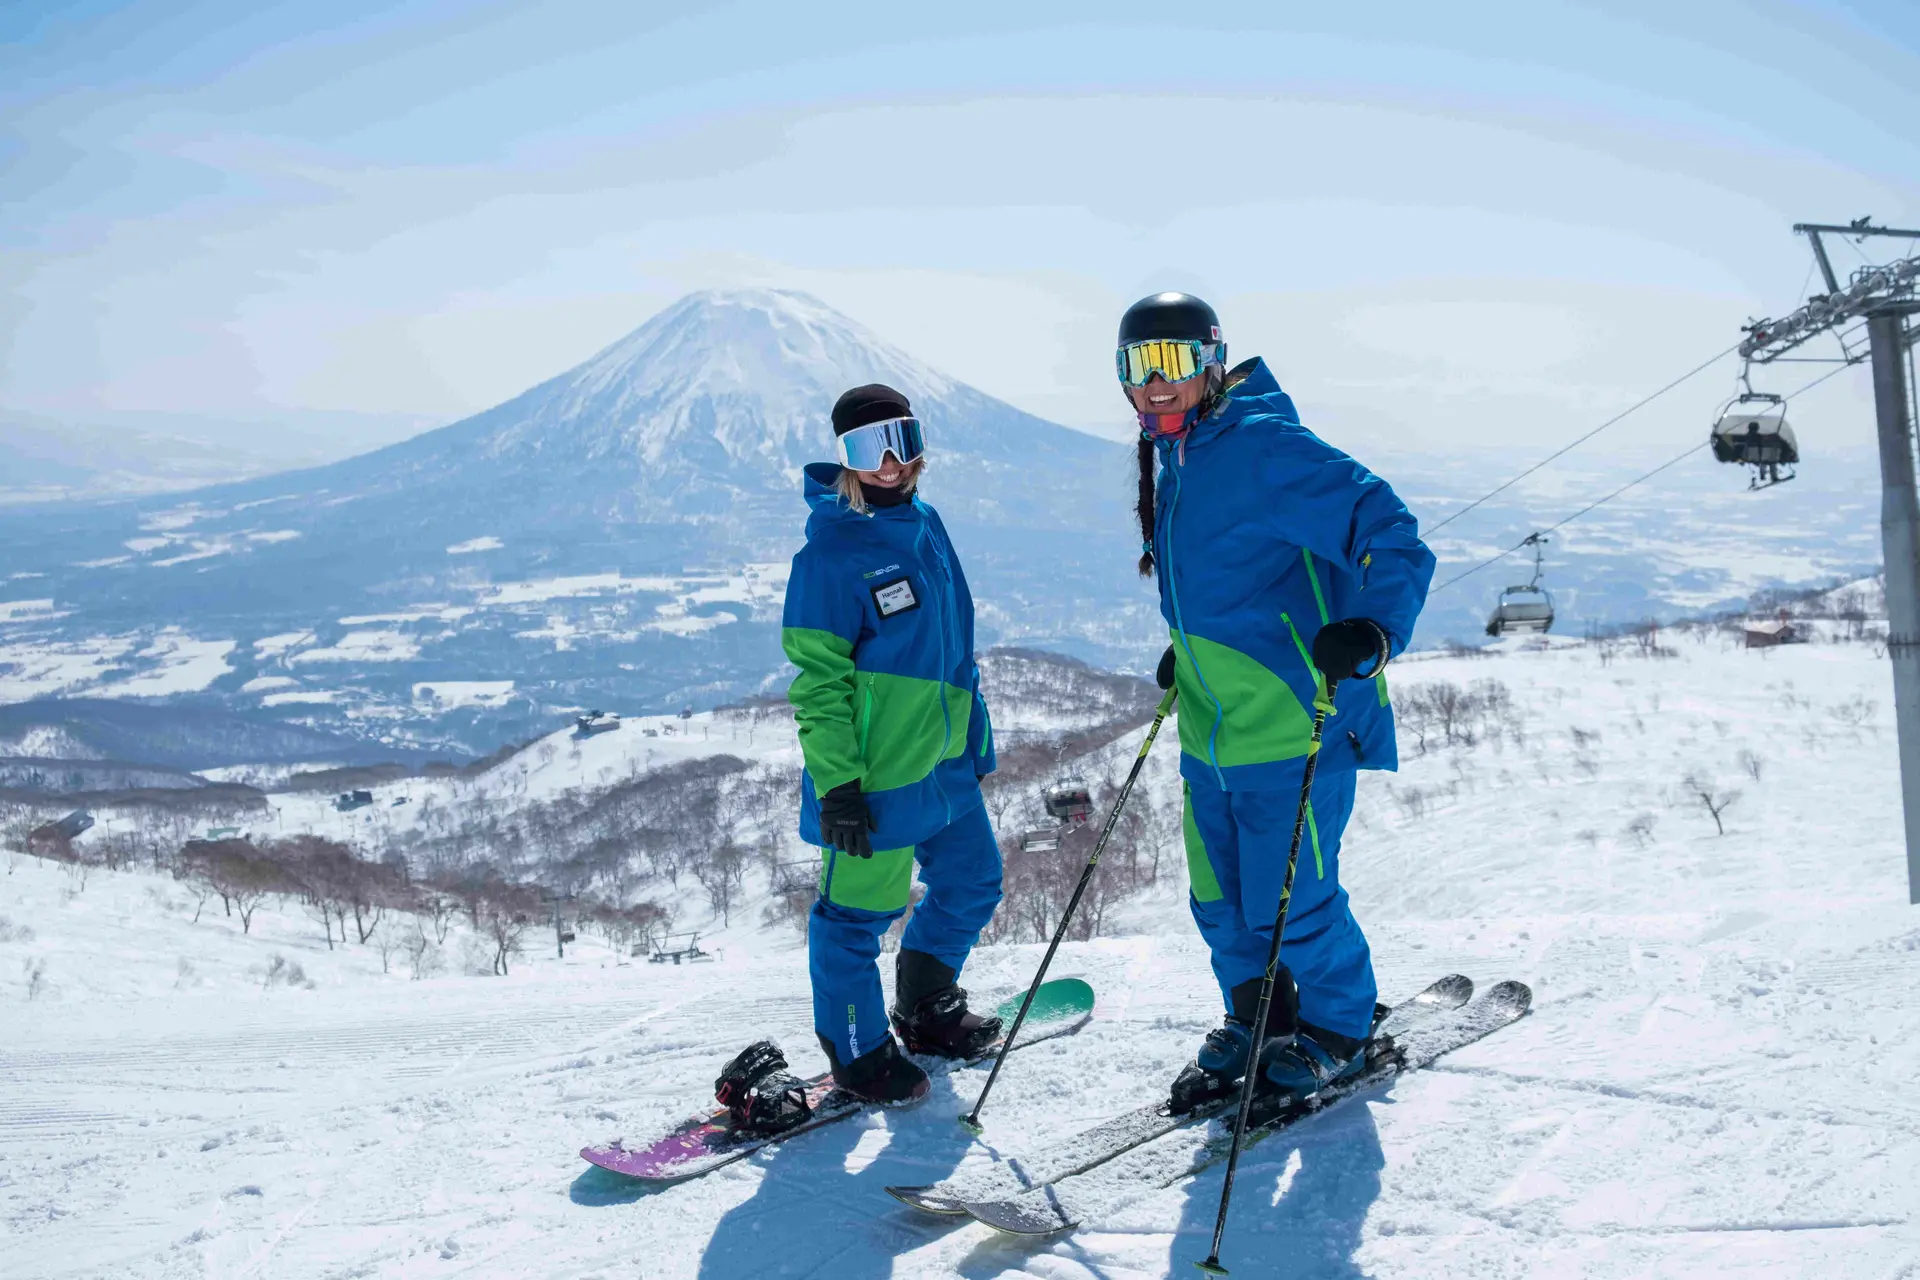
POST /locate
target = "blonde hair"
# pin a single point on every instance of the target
(848, 484)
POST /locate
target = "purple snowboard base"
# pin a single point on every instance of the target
(1061, 1007)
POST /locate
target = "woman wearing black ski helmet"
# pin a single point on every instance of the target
(1289, 575)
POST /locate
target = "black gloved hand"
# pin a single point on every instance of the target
(845, 820)
(1164, 676)
(1343, 647)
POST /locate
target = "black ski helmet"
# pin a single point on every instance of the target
(1179, 316)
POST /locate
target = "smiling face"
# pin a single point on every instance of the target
(891, 475)
(1162, 397)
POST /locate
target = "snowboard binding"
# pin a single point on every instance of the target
(761, 1096)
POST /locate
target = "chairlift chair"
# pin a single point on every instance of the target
(1068, 800)
(1528, 609)
(1040, 840)
(1752, 431)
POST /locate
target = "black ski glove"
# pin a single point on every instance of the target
(845, 820)
(1343, 647)
(1164, 676)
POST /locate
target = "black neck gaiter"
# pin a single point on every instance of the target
(896, 497)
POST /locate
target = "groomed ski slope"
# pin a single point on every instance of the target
(1717, 1079)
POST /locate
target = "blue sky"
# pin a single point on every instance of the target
(1483, 224)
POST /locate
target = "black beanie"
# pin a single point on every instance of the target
(875, 402)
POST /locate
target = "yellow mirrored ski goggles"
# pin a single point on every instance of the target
(1174, 360)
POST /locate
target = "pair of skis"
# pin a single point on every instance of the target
(1047, 1195)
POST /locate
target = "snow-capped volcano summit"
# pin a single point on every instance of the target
(709, 409)
(752, 370)
(586, 539)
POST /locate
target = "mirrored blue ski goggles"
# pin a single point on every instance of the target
(1175, 360)
(863, 448)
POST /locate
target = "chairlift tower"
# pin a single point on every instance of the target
(1882, 301)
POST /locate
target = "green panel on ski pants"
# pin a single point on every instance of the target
(1199, 871)
(883, 882)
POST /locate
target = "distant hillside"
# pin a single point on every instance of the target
(172, 736)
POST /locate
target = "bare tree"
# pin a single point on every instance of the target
(423, 956)
(439, 909)
(1640, 830)
(253, 880)
(1711, 796)
(324, 870)
(239, 873)
(722, 874)
(505, 916)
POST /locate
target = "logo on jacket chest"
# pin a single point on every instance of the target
(894, 597)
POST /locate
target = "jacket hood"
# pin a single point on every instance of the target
(828, 507)
(1251, 388)
(818, 487)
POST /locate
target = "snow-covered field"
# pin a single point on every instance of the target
(1717, 1079)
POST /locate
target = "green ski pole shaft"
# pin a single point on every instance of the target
(972, 1119)
(1212, 1265)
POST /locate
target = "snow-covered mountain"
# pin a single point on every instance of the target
(617, 534)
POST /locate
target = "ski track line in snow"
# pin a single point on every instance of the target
(316, 1196)
(446, 1052)
(1629, 1093)
(1558, 1230)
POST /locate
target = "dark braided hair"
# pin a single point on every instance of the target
(1143, 506)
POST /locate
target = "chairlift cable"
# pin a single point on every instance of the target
(1671, 462)
(1630, 409)
(1691, 450)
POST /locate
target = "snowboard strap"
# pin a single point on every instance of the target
(761, 1096)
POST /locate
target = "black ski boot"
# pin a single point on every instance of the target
(1216, 1071)
(884, 1075)
(930, 1013)
(761, 1096)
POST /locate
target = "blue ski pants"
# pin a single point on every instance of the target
(960, 866)
(1237, 862)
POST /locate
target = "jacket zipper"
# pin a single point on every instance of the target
(946, 712)
(1173, 593)
(866, 718)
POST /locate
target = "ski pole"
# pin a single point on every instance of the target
(1321, 707)
(972, 1119)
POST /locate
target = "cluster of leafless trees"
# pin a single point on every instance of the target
(1038, 882)
(1441, 713)
(707, 820)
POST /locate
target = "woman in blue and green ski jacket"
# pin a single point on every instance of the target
(1284, 567)
(896, 738)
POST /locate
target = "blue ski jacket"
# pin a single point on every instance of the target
(1263, 534)
(880, 622)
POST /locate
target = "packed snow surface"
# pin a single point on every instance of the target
(1717, 1078)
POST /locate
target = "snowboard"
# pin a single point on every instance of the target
(1046, 1210)
(708, 1141)
(1123, 1133)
